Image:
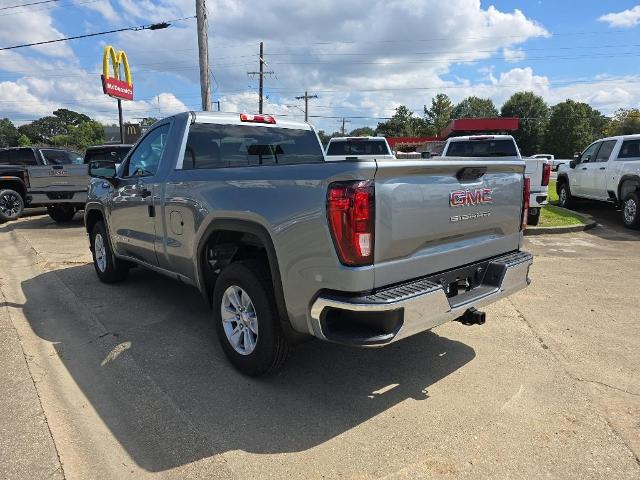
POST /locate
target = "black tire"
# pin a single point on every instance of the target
(565, 200)
(271, 347)
(108, 268)
(61, 213)
(631, 210)
(534, 219)
(11, 205)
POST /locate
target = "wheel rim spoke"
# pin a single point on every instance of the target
(239, 320)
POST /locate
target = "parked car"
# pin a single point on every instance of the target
(286, 246)
(538, 170)
(607, 170)
(358, 148)
(47, 169)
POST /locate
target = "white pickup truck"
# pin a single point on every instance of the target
(537, 170)
(608, 170)
(358, 148)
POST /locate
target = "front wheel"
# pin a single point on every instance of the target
(564, 195)
(631, 210)
(246, 319)
(11, 205)
(61, 213)
(107, 266)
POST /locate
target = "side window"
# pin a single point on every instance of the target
(589, 154)
(605, 151)
(218, 146)
(146, 157)
(630, 149)
(4, 157)
(22, 156)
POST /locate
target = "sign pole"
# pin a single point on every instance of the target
(120, 119)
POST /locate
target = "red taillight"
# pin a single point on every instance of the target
(526, 191)
(245, 117)
(546, 173)
(351, 215)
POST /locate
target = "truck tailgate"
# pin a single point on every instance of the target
(58, 177)
(419, 232)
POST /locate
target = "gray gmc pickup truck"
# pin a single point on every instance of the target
(286, 246)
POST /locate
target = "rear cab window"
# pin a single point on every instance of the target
(62, 157)
(358, 147)
(22, 156)
(630, 149)
(224, 146)
(482, 148)
(115, 155)
(4, 157)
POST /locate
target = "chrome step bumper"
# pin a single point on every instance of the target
(399, 311)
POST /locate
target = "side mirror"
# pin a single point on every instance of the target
(572, 164)
(103, 169)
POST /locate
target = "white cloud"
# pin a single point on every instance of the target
(625, 19)
(513, 55)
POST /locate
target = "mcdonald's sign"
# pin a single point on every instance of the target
(113, 85)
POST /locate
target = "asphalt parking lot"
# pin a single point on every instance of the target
(128, 381)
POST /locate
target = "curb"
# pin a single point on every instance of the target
(588, 224)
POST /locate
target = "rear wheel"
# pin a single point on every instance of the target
(61, 213)
(246, 319)
(107, 266)
(631, 210)
(565, 199)
(11, 205)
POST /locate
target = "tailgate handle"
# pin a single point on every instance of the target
(471, 173)
(57, 167)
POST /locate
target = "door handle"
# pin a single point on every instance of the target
(584, 168)
(603, 168)
(144, 193)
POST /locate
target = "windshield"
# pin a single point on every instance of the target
(358, 147)
(62, 157)
(115, 154)
(482, 148)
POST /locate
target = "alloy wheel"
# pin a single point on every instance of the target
(10, 204)
(239, 320)
(630, 210)
(100, 252)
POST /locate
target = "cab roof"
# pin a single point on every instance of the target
(234, 119)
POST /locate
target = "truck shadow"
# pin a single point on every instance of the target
(145, 355)
(38, 221)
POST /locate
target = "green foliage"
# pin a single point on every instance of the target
(45, 129)
(23, 141)
(572, 126)
(80, 136)
(362, 132)
(148, 121)
(8, 133)
(475, 107)
(626, 121)
(533, 113)
(404, 123)
(439, 115)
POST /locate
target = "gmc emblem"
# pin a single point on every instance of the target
(464, 198)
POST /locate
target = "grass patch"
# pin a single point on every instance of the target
(553, 195)
(552, 216)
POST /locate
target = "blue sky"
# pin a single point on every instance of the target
(362, 58)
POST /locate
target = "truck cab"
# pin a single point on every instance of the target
(608, 170)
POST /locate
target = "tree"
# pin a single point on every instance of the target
(23, 141)
(474, 107)
(148, 121)
(572, 126)
(362, 132)
(625, 122)
(439, 115)
(404, 123)
(533, 113)
(8, 133)
(44, 129)
(80, 136)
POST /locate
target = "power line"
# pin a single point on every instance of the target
(306, 97)
(28, 4)
(261, 73)
(153, 26)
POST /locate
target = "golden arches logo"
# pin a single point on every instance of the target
(117, 59)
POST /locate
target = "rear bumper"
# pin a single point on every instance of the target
(393, 313)
(538, 199)
(58, 196)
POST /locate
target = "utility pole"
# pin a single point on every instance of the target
(343, 122)
(306, 97)
(261, 75)
(203, 54)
